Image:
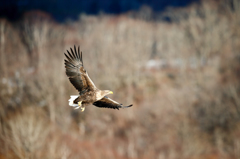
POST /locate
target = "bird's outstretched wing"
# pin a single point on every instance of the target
(107, 102)
(75, 71)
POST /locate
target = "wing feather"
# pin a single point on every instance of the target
(107, 102)
(75, 71)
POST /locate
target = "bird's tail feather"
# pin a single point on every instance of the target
(72, 98)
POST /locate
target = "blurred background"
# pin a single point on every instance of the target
(177, 62)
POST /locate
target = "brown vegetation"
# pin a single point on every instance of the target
(186, 100)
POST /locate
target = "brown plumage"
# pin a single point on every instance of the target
(88, 92)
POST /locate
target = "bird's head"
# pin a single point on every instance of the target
(106, 92)
(101, 94)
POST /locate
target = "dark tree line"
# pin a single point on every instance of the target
(62, 9)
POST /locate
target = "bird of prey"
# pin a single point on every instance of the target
(88, 92)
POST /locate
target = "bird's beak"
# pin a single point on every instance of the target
(111, 92)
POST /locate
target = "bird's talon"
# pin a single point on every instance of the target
(82, 109)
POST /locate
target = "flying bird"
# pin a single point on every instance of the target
(88, 92)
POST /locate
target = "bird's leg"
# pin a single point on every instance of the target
(79, 105)
(82, 108)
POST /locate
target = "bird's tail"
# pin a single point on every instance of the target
(72, 98)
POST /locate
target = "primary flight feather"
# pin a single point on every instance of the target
(88, 92)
